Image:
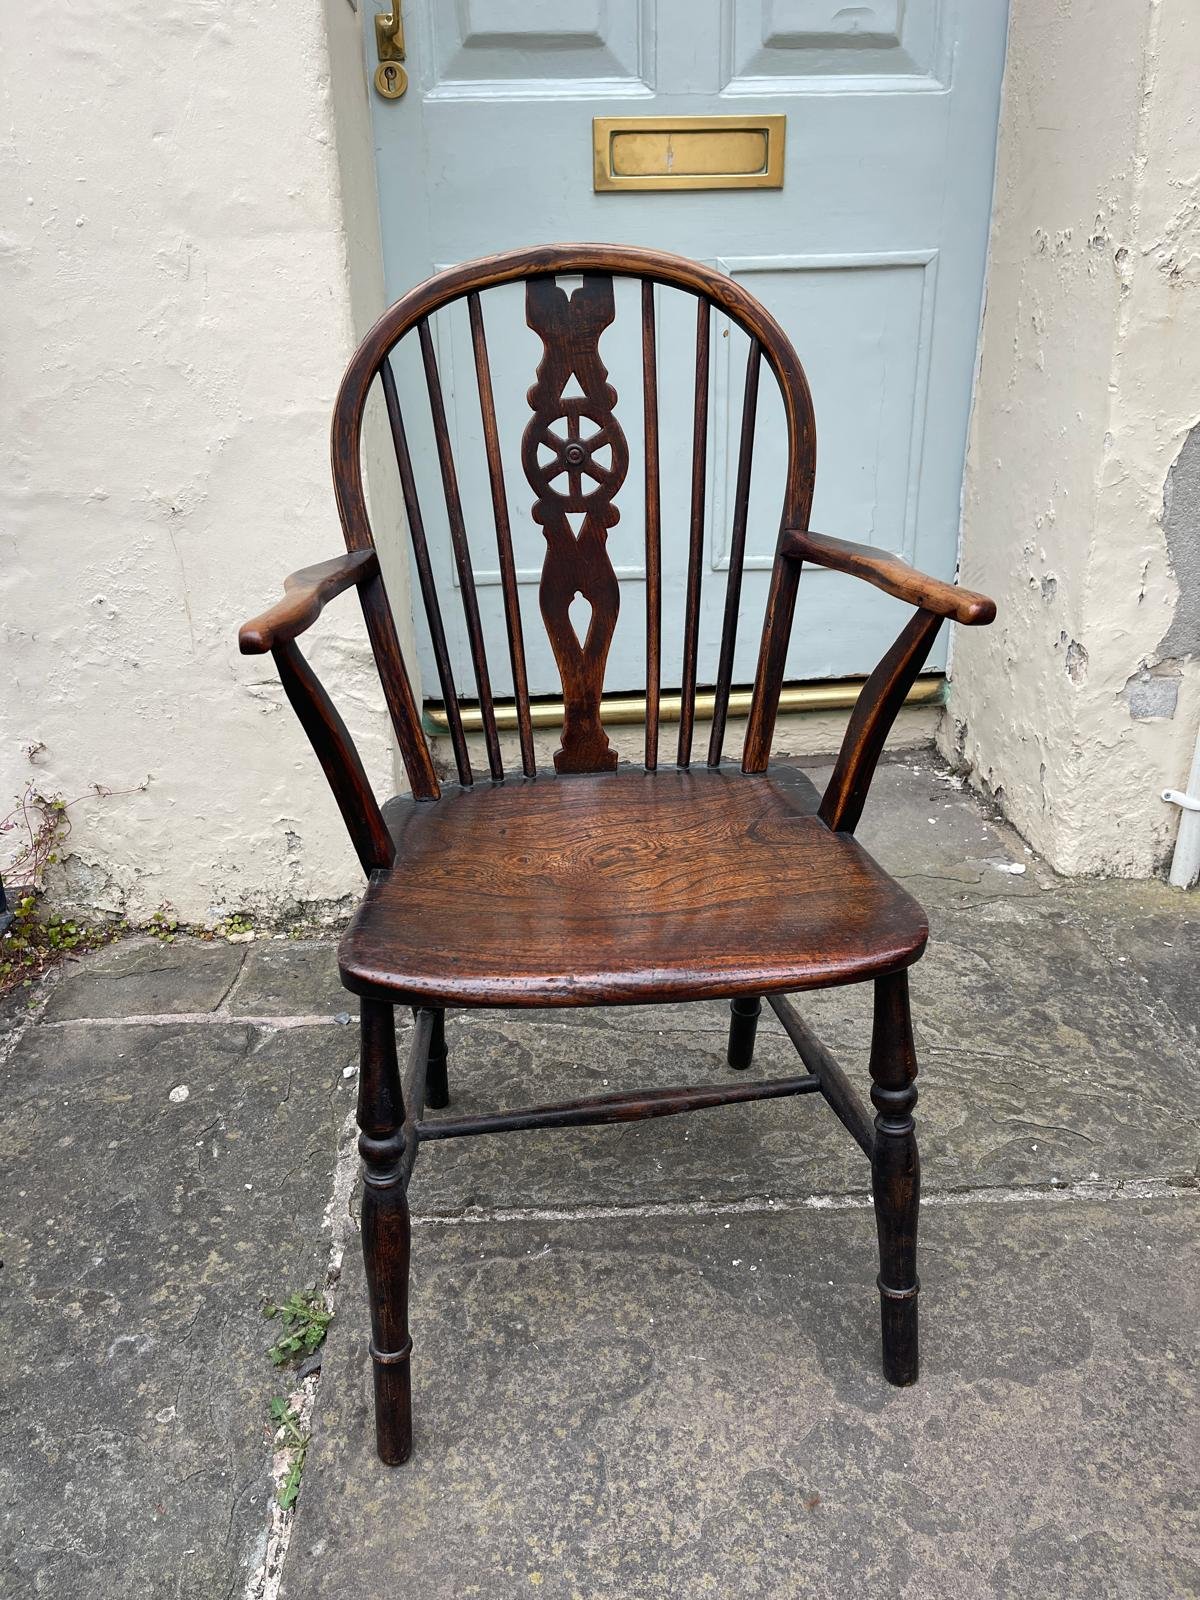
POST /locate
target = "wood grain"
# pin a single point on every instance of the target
(335, 750)
(425, 578)
(386, 1229)
(306, 593)
(603, 1110)
(624, 887)
(874, 712)
(571, 478)
(835, 1085)
(893, 576)
(695, 565)
(896, 1175)
(462, 548)
(737, 556)
(504, 546)
(653, 524)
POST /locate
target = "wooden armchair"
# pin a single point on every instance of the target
(598, 884)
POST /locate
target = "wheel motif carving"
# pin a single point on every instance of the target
(575, 458)
(574, 441)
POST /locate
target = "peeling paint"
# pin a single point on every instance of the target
(1181, 525)
(1152, 694)
(1081, 703)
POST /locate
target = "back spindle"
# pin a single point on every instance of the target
(462, 552)
(653, 525)
(691, 624)
(508, 570)
(433, 610)
(737, 552)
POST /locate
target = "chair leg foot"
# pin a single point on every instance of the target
(896, 1176)
(393, 1405)
(898, 1315)
(386, 1247)
(386, 1230)
(743, 1025)
(437, 1082)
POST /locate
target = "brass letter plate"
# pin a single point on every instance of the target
(688, 152)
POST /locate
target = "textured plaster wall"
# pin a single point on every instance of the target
(1081, 503)
(185, 260)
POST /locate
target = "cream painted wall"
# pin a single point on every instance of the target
(186, 266)
(1076, 708)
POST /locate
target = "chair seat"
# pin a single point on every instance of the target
(624, 887)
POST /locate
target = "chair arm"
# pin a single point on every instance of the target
(889, 573)
(305, 595)
(276, 630)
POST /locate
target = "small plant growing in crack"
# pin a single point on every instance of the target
(292, 1441)
(40, 824)
(164, 925)
(305, 1324)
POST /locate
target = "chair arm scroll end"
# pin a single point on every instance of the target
(893, 576)
(305, 595)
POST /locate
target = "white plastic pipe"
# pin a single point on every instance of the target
(1185, 863)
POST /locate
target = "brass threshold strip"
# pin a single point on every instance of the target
(617, 710)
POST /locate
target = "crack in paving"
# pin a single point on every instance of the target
(223, 1003)
(163, 1019)
(840, 1200)
(270, 1554)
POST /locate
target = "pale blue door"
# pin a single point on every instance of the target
(871, 255)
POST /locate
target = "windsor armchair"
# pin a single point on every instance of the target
(594, 884)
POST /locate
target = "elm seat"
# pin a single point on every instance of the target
(588, 890)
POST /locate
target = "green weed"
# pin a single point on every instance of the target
(305, 1323)
(288, 1436)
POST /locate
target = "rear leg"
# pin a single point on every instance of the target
(437, 1082)
(743, 1025)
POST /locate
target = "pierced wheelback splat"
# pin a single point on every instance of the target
(575, 458)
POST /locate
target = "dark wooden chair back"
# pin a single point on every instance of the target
(575, 456)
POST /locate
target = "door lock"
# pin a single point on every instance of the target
(391, 80)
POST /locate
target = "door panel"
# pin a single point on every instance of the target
(794, 46)
(540, 47)
(871, 255)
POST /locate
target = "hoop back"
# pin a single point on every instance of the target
(575, 457)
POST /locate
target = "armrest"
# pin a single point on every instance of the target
(305, 595)
(893, 576)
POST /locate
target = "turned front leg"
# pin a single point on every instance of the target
(896, 1175)
(386, 1229)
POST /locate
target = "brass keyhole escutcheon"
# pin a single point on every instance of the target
(391, 80)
